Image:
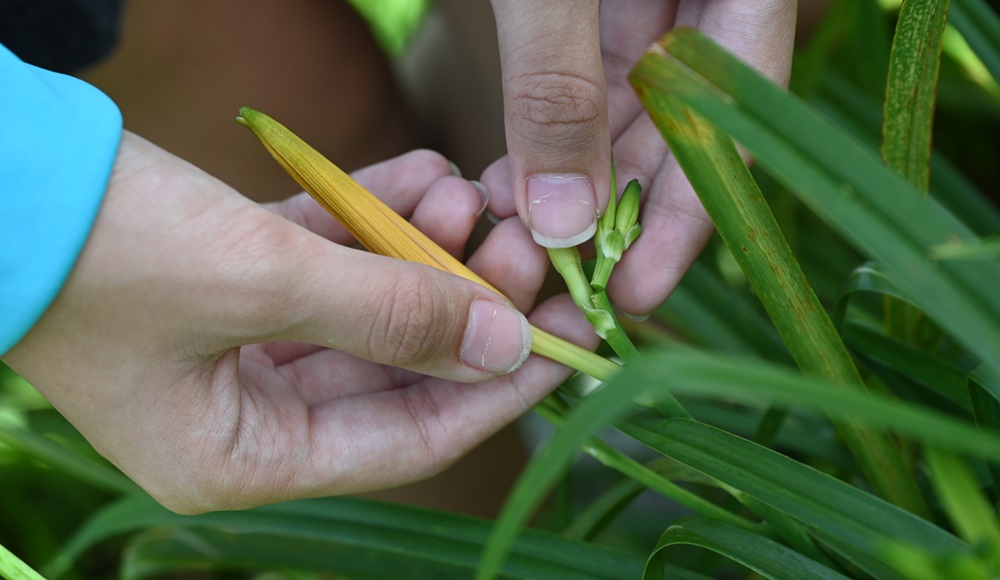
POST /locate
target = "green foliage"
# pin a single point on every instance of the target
(807, 435)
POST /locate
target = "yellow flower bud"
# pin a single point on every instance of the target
(385, 232)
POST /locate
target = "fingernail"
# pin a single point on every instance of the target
(636, 317)
(454, 169)
(497, 338)
(562, 209)
(494, 218)
(484, 195)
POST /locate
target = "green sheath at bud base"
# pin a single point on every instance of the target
(617, 230)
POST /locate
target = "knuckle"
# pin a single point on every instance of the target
(407, 331)
(550, 108)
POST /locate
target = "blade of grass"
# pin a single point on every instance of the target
(12, 568)
(871, 206)
(984, 390)
(972, 516)
(614, 459)
(823, 504)
(914, 64)
(868, 277)
(980, 26)
(67, 461)
(762, 555)
(862, 116)
(911, 91)
(699, 375)
(729, 193)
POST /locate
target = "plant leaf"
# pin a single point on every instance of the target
(762, 555)
(12, 568)
(740, 213)
(971, 514)
(333, 533)
(914, 64)
(823, 504)
(980, 26)
(871, 206)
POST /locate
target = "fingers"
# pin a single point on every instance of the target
(392, 312)
(760, 32)
(628, 27)
(424, 428)
(448, 212)
(512, 262)
(675, 228)
(556, 117)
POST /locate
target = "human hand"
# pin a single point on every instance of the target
(182, 344)
(568, 105)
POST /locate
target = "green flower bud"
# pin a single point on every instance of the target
(627, 214)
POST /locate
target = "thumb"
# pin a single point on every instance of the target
(556, 116)
(405, 315)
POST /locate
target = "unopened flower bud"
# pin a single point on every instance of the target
(627, 214)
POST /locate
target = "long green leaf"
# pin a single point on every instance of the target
(823, 504)
(384, 536)
(12, 568)
(970, 512)
(984, 390)
(871, 206)
(552, 460)
(762, 555)
(914, 64)
(733, 200)
(758, 383)
(611, 457)
(861, 114)
(69, 462)
(980, 26)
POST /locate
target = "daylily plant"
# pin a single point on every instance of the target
(383, 231)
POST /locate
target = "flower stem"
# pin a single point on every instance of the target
(573, 356)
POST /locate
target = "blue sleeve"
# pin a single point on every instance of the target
(58, 141)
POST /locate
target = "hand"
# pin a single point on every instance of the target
(567, 100)
(182, 344)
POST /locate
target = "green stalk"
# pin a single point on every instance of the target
(616, 335)
(553, 410)
(572, 356)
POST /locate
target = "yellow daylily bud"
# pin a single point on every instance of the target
(385, 232)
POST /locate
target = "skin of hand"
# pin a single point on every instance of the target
(225, 355)
(568, 106)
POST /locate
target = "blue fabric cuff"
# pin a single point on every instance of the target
(59, 138)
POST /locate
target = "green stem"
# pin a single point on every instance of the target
(569, 265)
(610, 457)
(616, 337)
(573, 356)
